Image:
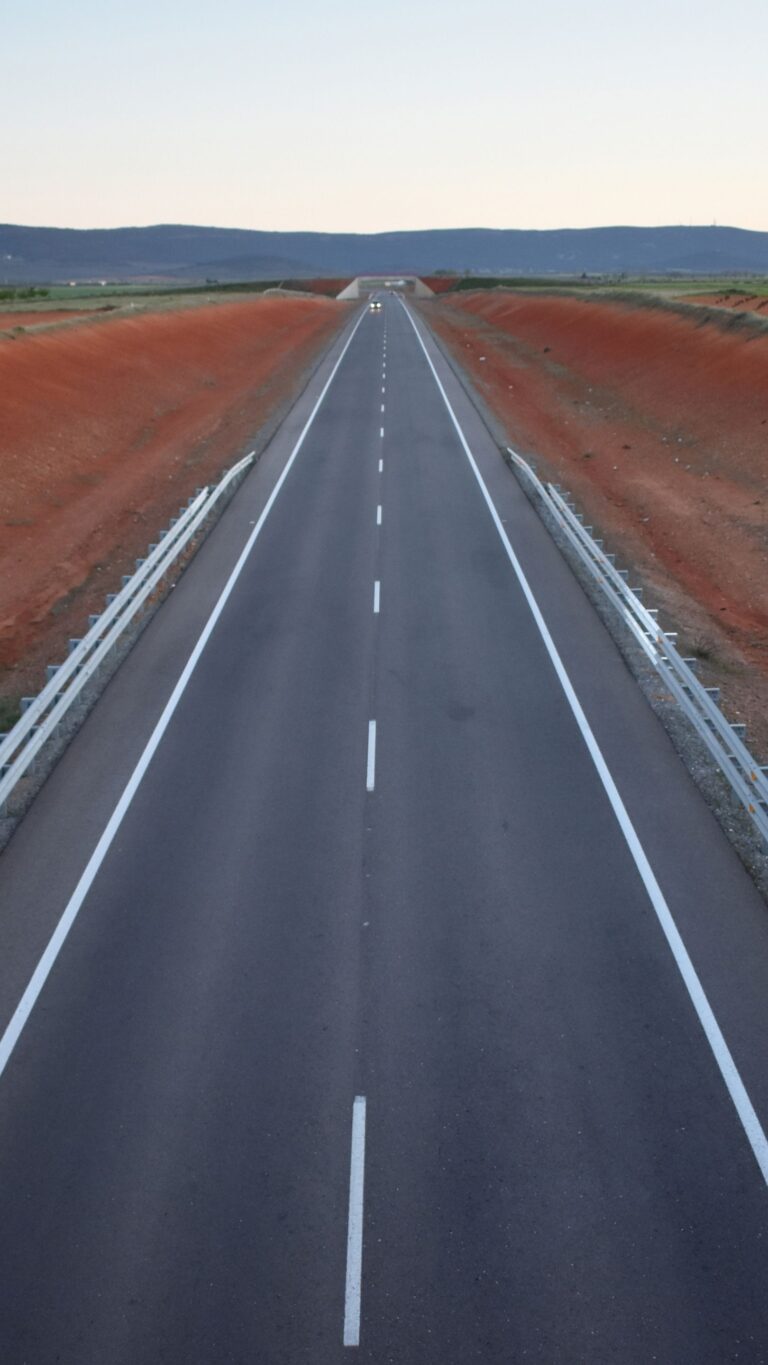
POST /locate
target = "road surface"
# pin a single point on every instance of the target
(368, 1037)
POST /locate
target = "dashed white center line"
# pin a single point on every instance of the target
(382, 407)
(381, 431)
(370, 772)
(381, 466)
(378, 515)
(383, 388)
(376, 596)
(355, 1224)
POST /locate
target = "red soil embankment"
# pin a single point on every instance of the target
(106, 428)
(657, 420)
(439, 284)
(331, 287)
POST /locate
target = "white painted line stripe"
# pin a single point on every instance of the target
(370, 772)
(383, 388)
(382, 407)
(720, 1050)
(376, 596)
(353, 1288)
(378, 515)
(381, 466)
(381, 431)
(56, 942)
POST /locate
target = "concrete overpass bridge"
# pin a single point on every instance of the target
(364, 285)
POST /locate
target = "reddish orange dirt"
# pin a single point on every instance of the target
(330, 287)
(657, 421)
(439, 284)
(106, 428)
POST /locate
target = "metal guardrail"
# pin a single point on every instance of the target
(723, 740)
(21, 746)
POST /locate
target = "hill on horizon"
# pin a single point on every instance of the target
(35, 255)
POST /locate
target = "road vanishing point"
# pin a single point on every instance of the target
(375, 984)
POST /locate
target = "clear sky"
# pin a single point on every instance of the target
(412, 114)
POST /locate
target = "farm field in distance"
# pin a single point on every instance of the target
(109, 419)
(654, 414)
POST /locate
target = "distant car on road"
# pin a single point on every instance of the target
(375, 305)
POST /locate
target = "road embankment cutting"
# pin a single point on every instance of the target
(106, 427)
(656, 419)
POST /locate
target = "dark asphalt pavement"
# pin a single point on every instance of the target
(554, 1168)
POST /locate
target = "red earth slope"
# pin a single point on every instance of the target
(657, 420)
(105, 429)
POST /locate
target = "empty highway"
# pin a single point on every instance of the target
(375, 984)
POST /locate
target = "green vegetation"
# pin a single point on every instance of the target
(104, 292)
(677, 285)
(23, 295)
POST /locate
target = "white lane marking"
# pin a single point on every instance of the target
(381, 466)
(383, 388)
(353, 1287)
(720, 1050)
(381, 431)
(376, 596)
(382, 407)
(57, 939)
(378, 515)
(370, 768)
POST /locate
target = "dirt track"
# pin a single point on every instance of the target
(658, 423)
(105, 429)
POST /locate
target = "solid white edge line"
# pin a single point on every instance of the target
(370, 770)
(353, 1286)
(376, 597)
(378, 515)
(53, 948)
(720, 1050)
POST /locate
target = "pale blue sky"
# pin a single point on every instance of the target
(356, 117)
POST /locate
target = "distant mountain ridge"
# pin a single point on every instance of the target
(33, 255)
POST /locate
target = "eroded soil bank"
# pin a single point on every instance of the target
(106, 427)
(657, 420)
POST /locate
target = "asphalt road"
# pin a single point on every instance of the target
(367, 1028)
